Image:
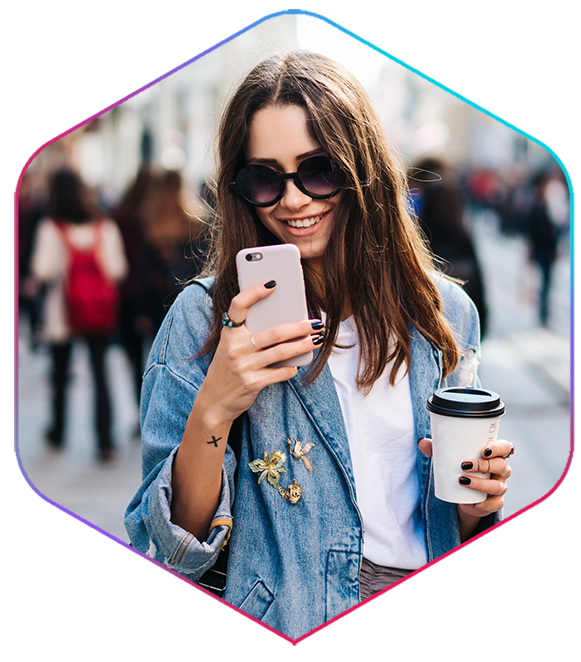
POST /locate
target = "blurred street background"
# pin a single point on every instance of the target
(148, 161)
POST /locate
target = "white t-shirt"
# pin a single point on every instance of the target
(380, 429)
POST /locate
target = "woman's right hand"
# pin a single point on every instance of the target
(239, 369)
(238, 372)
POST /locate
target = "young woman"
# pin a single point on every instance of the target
(332, 499)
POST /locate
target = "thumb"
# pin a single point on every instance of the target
(425, 446)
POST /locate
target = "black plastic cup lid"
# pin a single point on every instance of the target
(466, 403)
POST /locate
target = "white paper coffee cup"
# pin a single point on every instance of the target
(464, 421)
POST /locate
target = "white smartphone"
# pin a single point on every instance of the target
(288, 302)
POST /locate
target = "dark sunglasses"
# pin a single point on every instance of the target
(262, 186)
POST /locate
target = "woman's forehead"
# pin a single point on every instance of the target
(280, 132)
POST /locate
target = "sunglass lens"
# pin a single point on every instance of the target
(320, 177)
(263, 186)
(258, 184)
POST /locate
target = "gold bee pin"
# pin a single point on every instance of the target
(299, 452)
(293, 493)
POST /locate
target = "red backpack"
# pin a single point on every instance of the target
(91, 298)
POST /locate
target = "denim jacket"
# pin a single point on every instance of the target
(292, 566)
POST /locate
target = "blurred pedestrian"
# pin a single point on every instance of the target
(74, 223)
(174, 244)
(30, 211)
(440, 209)
(542, 235)
(134, 324)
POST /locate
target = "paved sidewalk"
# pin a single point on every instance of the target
(527, 364)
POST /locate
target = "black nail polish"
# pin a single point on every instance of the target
(466, 466)
(487, 452)
(317, 340)
(270, 284)
(464, 480)
(317, 326)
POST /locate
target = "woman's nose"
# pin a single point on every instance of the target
(293, 197)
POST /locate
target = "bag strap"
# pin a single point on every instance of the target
(235, 439)
(62, 226)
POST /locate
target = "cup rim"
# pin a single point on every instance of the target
(466, 402)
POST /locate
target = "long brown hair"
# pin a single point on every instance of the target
(376, 258)
(70, 199)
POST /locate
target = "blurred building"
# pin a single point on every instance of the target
(172, 124)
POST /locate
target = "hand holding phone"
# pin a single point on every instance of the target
(288, 302)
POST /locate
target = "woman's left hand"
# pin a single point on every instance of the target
(493, 460)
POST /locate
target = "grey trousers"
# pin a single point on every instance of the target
(374, 578)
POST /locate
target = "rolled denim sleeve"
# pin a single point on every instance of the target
(173, 375)
(151, 531)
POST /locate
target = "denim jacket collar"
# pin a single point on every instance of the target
(321, 403)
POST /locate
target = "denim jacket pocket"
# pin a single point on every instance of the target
(258, 601)
(342, 581)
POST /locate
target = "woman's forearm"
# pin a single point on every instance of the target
(197, 470)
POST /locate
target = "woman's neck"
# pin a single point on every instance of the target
(347, 310)
(316, 264)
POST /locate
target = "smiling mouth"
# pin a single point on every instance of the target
(304, 222)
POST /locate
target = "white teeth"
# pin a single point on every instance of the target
(304, 223)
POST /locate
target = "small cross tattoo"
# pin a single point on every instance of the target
(214, 441)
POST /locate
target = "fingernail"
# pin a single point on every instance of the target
(317, 326)
(487, 452)
(466, 466)
(464, 480)
(270, 284)
(317, 340)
